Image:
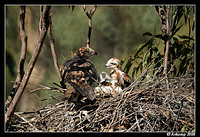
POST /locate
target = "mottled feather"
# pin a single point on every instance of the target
(117, 74)
(80, 73)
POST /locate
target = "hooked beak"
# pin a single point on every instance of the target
(94, 53)
(107, 66)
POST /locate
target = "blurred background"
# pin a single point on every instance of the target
(116, 32)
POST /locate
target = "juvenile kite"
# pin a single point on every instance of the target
(121, 78)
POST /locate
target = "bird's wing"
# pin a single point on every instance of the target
(124, 80)
(69, 65)
(71, 94)
(80, 73)
(127, 79)
(77, 80)
(90, 71)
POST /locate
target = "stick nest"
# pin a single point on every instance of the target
(160, 105)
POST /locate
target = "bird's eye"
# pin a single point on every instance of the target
(113, 63)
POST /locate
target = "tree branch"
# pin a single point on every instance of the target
(89, 15)
(40, 21)
(167, 42)
(164, 19)
(20, 69)
(31, 64)
(52, 44)
(162, 15)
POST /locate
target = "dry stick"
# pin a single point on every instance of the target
(167, 42)
(31, 64)
(20, 69)
(164, 18)
(26, 121)
(40, 21)
(43, 87)
(52, 44)
(181, 106)
(153, 85)
(89, 15)
(162, 15)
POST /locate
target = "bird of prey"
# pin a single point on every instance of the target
(122, 79)
(80, 73)
(107, 86)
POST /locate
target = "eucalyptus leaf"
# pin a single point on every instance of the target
(147, 34)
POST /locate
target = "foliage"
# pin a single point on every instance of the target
(181, 50)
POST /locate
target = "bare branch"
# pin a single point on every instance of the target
(52, 44)
(89, 15)
(162, 15)
(40, 21)
(31, 64)
(164, 19)
(167, 41)
(91, 12)
(20, 69)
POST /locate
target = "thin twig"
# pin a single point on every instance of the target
(52, 44)
(26, 121)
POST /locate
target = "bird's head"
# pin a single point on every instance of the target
(103, 76)
(84, 52)
(113, 63)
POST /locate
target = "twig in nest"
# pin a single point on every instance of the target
(181, 106)
(27, 121)
(150, 108)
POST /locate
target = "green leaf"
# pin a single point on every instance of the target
(122, 61)
(185, 37)
(147, 34)
(172, 52)
(176, 30)
(148, 57)
(185, 14)
(185, 51)
(159, 36)
(128, 65)
(135, 70)
(175, 39)
(140, 48)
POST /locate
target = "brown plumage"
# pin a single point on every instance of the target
(80, 73)
(117, 74)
